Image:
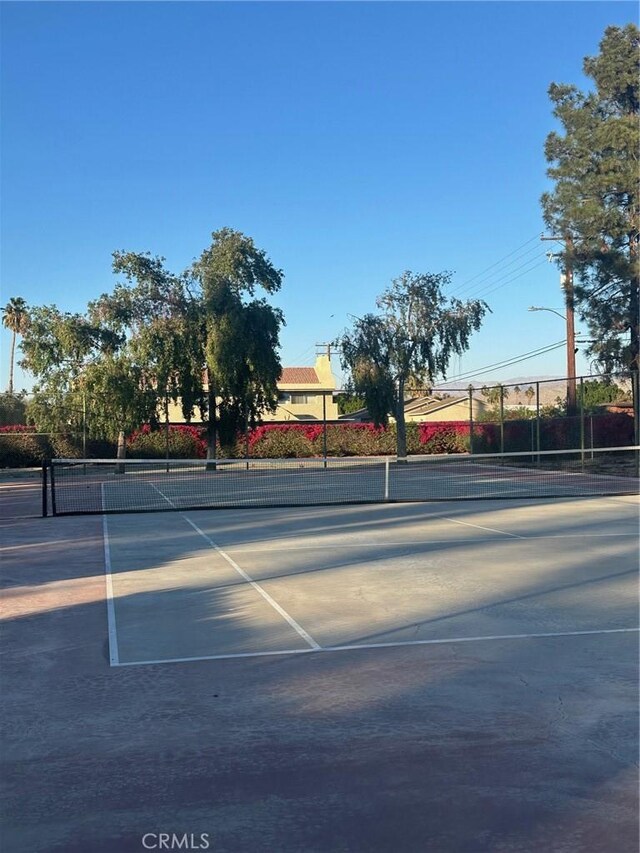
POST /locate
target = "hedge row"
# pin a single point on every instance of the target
(563, 433)
(273, 441)
(21, 447)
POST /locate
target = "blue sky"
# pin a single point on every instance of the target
(352, 141)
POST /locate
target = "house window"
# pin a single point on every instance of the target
(302, 398)
(283, 397)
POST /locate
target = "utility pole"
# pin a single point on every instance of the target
(326, 346)
(566, 280)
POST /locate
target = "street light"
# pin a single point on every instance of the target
(571, 353)
(553, 311)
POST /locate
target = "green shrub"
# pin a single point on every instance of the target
(349, 440)
(152, 444)
(12, 409)
(282, 444)
(65, 446)
(23, 450)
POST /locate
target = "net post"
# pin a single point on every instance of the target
(591, 433)
(53, 487)
(386, 478)
(45, 464)
(532, 439)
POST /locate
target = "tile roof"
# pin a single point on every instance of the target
(299, 376)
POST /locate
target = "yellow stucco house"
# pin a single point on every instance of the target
(446, 409)
(301, 391)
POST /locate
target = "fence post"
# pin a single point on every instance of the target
(386, 478)
(501, 419)
(471, 419)
(167, 439)
(532, 438)
(591, 431)
(324, 427)
(538, 420)
(246, 438)
(582, 421)
(84, 424)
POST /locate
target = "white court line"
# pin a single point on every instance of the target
(298, 628)
(111, 613)
(162, 495)
(393, 645)
(480, 527)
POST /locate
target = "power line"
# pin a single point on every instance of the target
(486, 292)
(459, 287)
(516, 359)
(304, 354)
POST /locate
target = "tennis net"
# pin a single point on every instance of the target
(81, 486)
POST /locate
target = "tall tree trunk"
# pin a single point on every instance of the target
(401, 429)
(121, 452)
(13, 350)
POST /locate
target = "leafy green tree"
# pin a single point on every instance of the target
(162, 324)
(15, 318)
(241, 333)
(82, 365)
(598, 392)
(122, 397)
(409, 342)
(12, 408)
(594, 204)
(200, 337)
(349, 402)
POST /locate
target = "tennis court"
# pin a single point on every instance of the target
(448, 675)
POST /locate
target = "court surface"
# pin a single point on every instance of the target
(458, 676)
(315, 579)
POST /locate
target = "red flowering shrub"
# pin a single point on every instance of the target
(18, 428)
(444, 437)
(430, 429)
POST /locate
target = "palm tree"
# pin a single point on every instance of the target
(14, 318)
